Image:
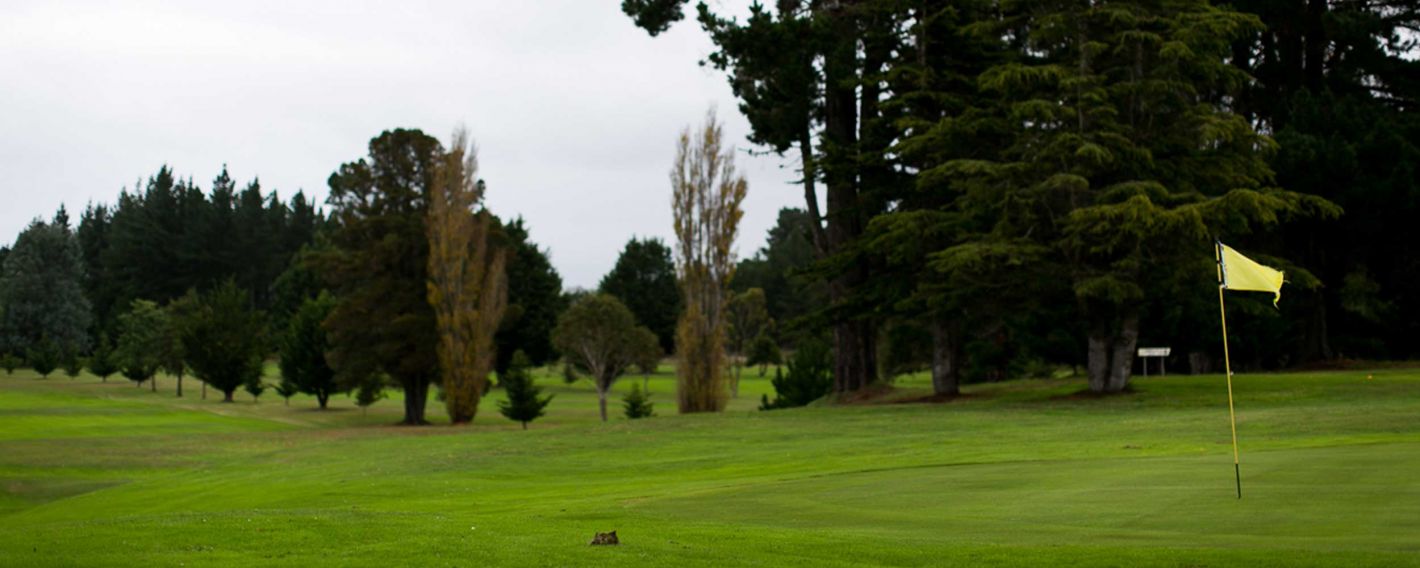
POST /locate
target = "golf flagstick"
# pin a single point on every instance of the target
(1228, 367)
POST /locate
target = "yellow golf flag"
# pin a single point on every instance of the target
(1242, 273)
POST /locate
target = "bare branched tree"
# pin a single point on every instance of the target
(706, 198)
(467, 285)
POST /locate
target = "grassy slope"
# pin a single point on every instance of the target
(1020, 473)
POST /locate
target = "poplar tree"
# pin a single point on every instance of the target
(810, 79)
(706, 194)
(467, 287)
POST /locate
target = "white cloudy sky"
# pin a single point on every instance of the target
(574, 109)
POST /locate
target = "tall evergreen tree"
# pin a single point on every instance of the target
(781, 268)
(303, 348)
(224, 339)
(644, 279)
(533, 303)
(1118, 168)
(42, 290)
(378, 267)
(141, 341)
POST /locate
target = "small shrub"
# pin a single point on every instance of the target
(569, 372)
(637, 403)
(10, 362)
(1037, 369)
(255, 388)
(809, 378)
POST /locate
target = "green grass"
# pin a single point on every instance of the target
(1018, 473)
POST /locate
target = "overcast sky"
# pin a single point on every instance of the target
(575, 110)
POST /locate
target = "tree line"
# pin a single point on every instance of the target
(991, 190)
(1011, 186)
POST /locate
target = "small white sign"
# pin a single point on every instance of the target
(1154, 351)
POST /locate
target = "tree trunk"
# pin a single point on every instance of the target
(1124, 345)
(946, 359)
(525, 425)
(154, 383)
(855, 356)
(854, 364)
(179, 385)
(1111, 354)
(322, 398)
(416, 395)
(601, 401)
(1098, 360)
(226, 396)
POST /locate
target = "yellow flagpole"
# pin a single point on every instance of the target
(1228, 368)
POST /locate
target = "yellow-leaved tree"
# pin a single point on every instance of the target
(706, 197)
(467, 284)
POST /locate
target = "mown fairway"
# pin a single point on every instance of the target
(1018, 473)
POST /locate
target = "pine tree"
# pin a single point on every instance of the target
(303, 348)
(44, 356)
(102, 361)
(224, 339)
(140, 341)
(378, 267)
(533, 304)
(637, 403)
(644, 279)
(525, 402)
(73, 364)
(254, 387)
